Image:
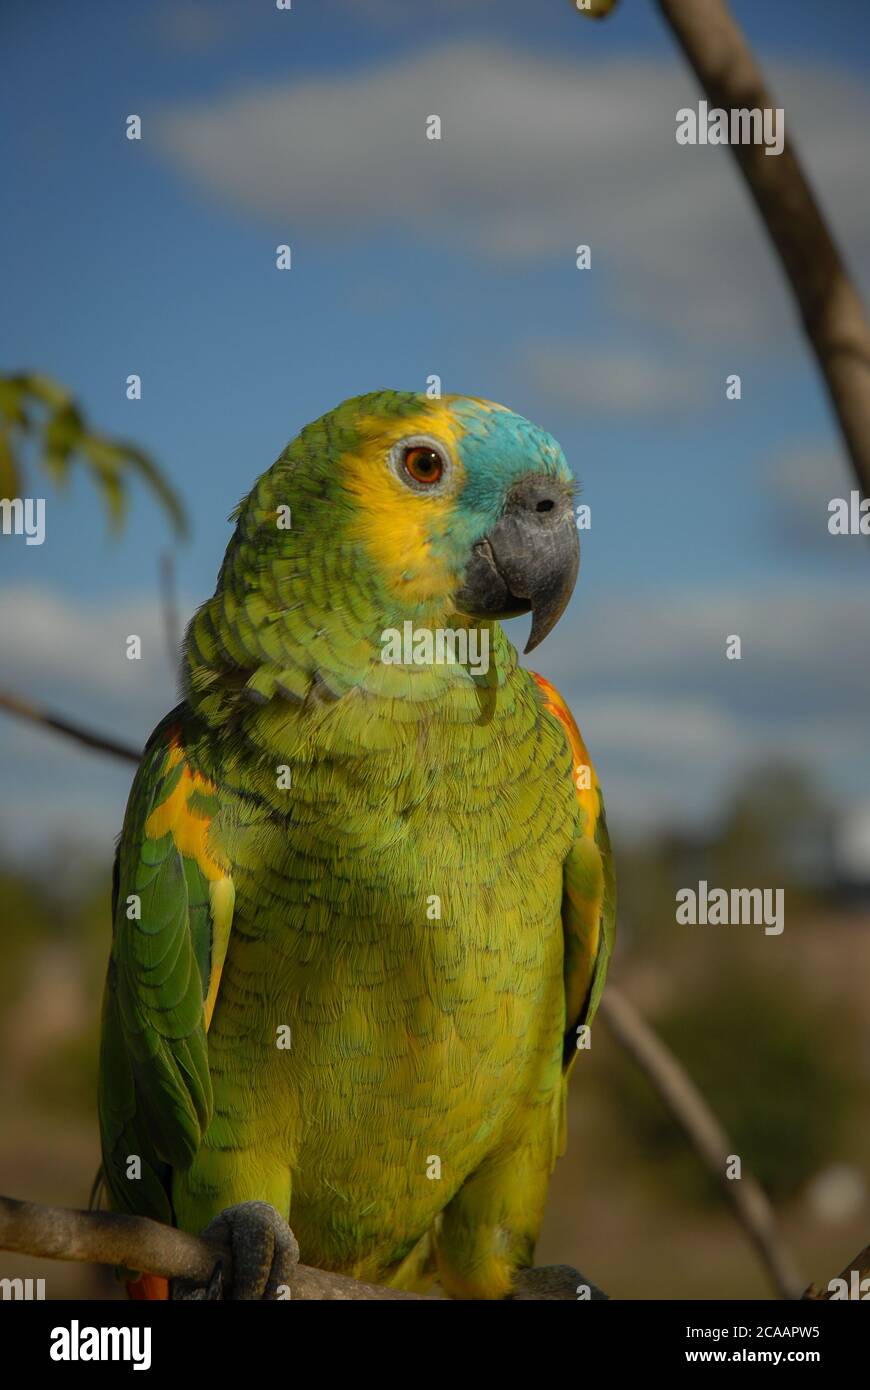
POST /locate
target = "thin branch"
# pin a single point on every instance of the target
(169, 599)
(688, 1107)
(135, 1242)
(99, 1237)
(833, 315)
(859, 1266)
(23, 709)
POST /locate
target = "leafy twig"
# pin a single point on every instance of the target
(33, 405)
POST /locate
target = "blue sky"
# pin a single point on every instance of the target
(410, 257)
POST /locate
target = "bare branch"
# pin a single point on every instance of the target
(832, 312)
(135, 1242)
(860, 1266)
(100, 1237)
(23, 709)
(688, 1107)
(169, 598)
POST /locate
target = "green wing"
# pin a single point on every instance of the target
(589, 886)
(172, 910)
(588, 920)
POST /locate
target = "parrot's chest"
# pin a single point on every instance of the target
(429, 914)
(405, 944)
(426, 881)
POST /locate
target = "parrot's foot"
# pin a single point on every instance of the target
(554, 1282)
(264, 1252)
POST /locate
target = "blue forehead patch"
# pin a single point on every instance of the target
(498, 447)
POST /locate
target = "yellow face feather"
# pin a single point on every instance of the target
(395, 524)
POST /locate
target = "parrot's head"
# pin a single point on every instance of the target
(449, 513)
(454, 505)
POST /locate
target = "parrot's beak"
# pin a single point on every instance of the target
(528, 561)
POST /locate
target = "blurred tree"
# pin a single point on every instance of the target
(777, 830)
(770, 1062)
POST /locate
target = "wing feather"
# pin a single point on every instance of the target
(155, 1093)
(589, 887)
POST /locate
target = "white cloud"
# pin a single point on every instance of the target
(68, 656)
(601, 382)
(391, 13)
(671, 723)
(58, 793)
(72, 655)
(804, 643)
(647, 727)
(193, 27)
(801, 483)
(537, 155)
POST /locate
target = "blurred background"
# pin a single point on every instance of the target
(709, 518)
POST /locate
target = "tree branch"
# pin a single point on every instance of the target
(23, 709)
(688, 1107)
(169, 603)
(833, 315)
(135, 1242)
(99, 1237)
(860, 1266)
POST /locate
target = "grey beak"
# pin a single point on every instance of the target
(528, 561)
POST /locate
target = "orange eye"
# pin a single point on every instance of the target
(423, 464)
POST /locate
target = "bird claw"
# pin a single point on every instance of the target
(548, 1282)
(186, 1291)
(264, 1252)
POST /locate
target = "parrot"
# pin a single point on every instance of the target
(363, 907)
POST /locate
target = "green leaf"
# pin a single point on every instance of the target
(105, 460)
(152, 475)
(44, 388)
(62, 434)
(10, 478)
(65, 435)
(11, 396)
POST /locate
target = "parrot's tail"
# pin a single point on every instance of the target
(148, 1286)
(145, 1286)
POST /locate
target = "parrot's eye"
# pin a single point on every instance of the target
(424, 465)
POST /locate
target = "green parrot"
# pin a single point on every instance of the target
(363, 903)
